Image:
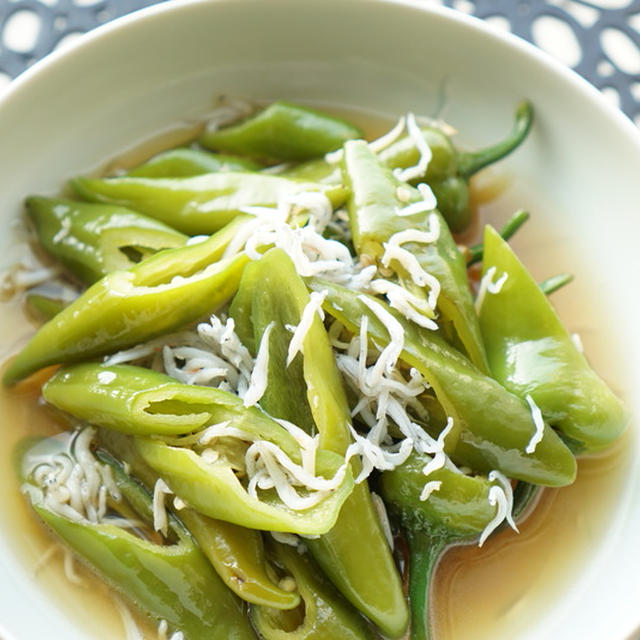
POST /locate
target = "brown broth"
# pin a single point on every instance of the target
(492, 592)
(497, 590)
(91, 603)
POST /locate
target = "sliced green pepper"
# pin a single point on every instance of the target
(309, 392)
(492, 427)
(172, 582)
(283, 131)
(200, 204)
(373, 206)
(142, 402)
(125, 308)
(92, 240)
(182, 163)
(532, 354)
(212, 488)
(238, 556)
(324, 614)
(236, 553)
(457, 510)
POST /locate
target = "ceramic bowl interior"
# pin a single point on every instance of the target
(146, 74)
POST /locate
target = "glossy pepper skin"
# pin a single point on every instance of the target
(185, 162)
(492, 427)
(236, 553)
(447, 173)
(199, 204)
(172, 582)
(125, 308)
(309, 392)
(283, 131)
(142, 402)
(449, 170)
(213, 489)
(324, 616)
(373, 203)
(459, 510)
(531, 353)
(92, 240)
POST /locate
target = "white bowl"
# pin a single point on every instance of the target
(578, 175)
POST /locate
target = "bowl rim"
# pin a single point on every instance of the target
(57, 58)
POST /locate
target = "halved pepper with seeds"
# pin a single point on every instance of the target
(235, 552)
(170, 581)
(136, 400)
(375, 204)
(308, 391)
(92, 240)
(125, 308)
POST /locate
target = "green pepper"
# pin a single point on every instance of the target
(449, 169)
(283, 131)
(492, 427)
(309, 392)
(318, 170)
(324, 615)
(199, 204)
(182, 163)
(172, 582)
(236, 553)
(532, 354)
(142, 402)
(375, 198)
(92, 240)
(212, 488)
(457, 511)
(238, 556)
(44, 307)
(125, 308)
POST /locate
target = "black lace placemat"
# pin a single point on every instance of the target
(599, 40)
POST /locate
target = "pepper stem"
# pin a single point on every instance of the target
(424, 552)
(554, 283)
(470, 162)
(508, 231)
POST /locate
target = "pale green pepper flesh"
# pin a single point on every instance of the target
(531, 353)
(125, 308)
(309, 392)
(492, 427)
(373, 206)
(325, 615)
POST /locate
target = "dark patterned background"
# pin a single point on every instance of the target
(598, 39)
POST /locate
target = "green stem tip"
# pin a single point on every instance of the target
(471, 162)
